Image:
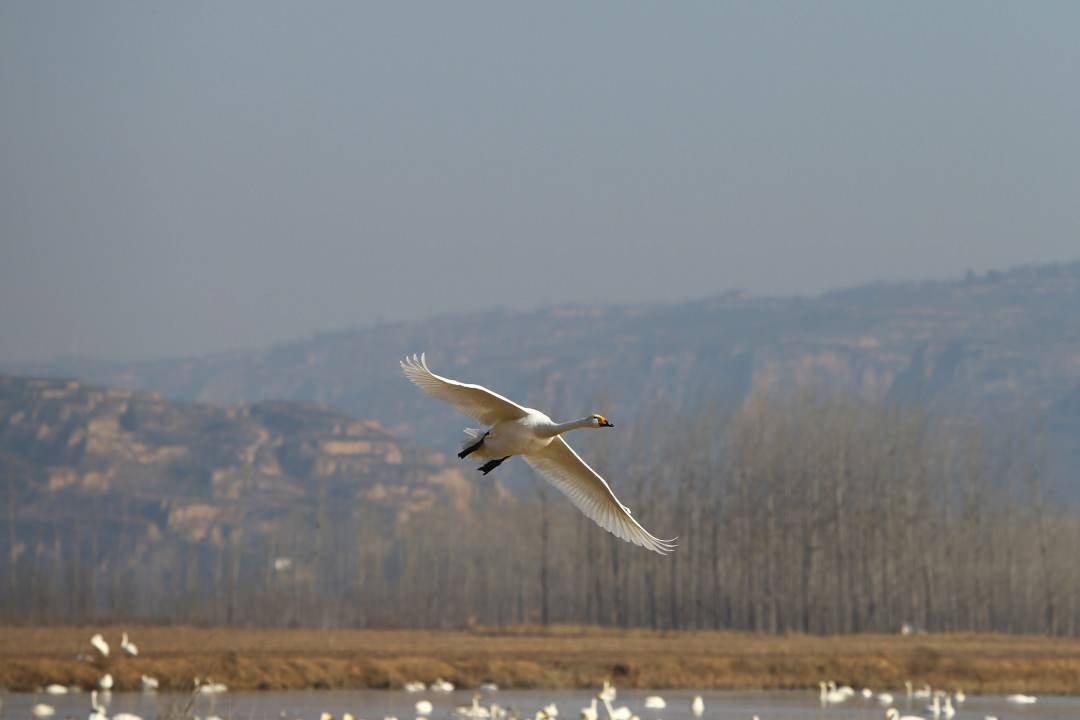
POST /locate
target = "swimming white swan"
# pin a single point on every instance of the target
(475, 710)
(830, 694)
(106, 682)
(126, 716)
(885, 698)
(148, 683)
(608, 693)
(41, 710)
(55, 689)
(948, 711)
(424, 707)
(97, 710)
(1020, 699)
(99, 643)
(516, 430)
(697, 707)
(619, 713)
(894, 714)
(127, 647)
(655, 702)
(442, 686)
(414, 687)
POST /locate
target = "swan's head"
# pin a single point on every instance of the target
(601, 421)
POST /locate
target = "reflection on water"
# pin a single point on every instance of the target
(379, 704)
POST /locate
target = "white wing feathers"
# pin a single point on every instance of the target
(476, 401)
(565, 469)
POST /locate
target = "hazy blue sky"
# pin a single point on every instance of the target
(187, 177)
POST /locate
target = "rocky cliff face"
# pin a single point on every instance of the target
(192, 469)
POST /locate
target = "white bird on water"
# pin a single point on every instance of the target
(1020, 699)
(655, 702)
(697, 707)
(619, 713)
(424, 707)
(894, 714)
(589, 713)
(41, 710)
(516, 430)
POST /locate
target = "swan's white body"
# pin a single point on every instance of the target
(127, 647)
(106, 682)
(894, 714)
(516, 430)
(442, 686)
(619, 713)
(100, 645)
(1019, 699)
(655, 702)
(41, 710)
(885, 698)
(148, 683)
(475, 710)
(56, 689)
(697, 706)
(424, 707)
(589, 713)
(830, 694)
(609, 692)
(414, 687)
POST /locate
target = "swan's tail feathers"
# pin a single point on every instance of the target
(472, 442)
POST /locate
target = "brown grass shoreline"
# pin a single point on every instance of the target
(559, 657)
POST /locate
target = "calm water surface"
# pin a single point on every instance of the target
(379, 704)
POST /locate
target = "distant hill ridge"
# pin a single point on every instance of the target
(993, 345)
(191, 467)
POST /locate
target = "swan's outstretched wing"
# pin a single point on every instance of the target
(565, 469)
(476, 401)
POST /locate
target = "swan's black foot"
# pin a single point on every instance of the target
(492, 464)
(472, 448)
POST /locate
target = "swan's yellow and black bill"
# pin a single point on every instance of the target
(603, 421)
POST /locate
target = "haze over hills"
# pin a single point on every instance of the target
(1000, 345)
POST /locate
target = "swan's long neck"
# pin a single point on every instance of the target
(560, 428)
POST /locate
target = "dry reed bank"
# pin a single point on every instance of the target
(561, 656)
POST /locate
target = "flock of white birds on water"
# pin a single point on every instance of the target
(938, 703)
(101, 695)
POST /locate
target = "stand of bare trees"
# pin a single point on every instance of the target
(794, 515)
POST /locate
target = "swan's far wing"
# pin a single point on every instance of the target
(476, 401)
(565, 469)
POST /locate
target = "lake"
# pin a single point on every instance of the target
(378, 704)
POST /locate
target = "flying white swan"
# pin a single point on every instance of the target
(516, 430)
